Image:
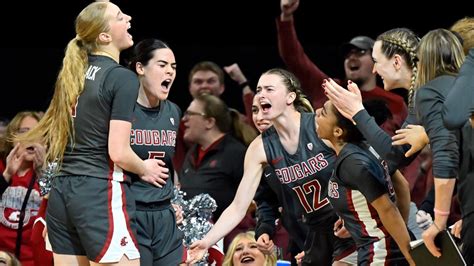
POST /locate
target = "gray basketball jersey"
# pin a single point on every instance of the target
(304, 175)
(110, 92)
(360, 178)
(153, 136)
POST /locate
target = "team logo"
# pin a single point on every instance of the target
(333, 190)
(172, 121)
(123, 241)
(310, 146)
(10, 209)
(277, 160)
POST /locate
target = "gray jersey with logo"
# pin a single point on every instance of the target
(110, 93)
(305, 174)
(153, 136)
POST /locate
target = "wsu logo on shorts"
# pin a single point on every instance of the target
(123, 241)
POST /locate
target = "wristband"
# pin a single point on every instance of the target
(244, 84)
(441, 213)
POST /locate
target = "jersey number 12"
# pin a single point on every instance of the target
(311, 190)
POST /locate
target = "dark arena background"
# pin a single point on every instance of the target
(35, 33)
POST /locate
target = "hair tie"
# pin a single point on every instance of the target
(78, 41)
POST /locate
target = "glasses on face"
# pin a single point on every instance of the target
(191, 113)
(356, 52)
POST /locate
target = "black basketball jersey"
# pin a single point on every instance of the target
(358, 179)
(269, 198)
(153, 136)
(304, 175)
(110, 92)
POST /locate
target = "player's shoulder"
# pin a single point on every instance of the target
(122, 76)
(173, 107)
(354, 155)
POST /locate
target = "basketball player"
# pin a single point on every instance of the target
(155, 123)
(362, 194)
(303, 164)
(90, 216)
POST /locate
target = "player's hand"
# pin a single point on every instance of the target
(456, 229)
(340, 230)
(265, 244)
(348, 102)
(155, 172)
(414, 135)
(38, 159)
(428, 237)
(14, 160)
(197, 250)
(178, 210)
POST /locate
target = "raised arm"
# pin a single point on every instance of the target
(349, 104)
(12, 163)
(294, 56)
(238, 76)
(233, 214)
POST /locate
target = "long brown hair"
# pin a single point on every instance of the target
(56, 127)
(440, 53)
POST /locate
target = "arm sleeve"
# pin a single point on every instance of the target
(266, 194)
(238, 157)
(443, 142)
(460, 101)
(295, 58)
(125, 86)
(267, 206)
(362, 176)
(381, 141)
(267, 213)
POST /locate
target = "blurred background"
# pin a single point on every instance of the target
(225, 32)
